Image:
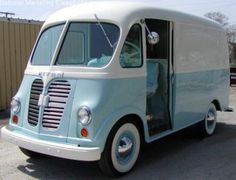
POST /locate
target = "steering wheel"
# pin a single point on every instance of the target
(129, 54)
(134, 47)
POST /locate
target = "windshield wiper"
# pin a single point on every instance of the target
(104, 32)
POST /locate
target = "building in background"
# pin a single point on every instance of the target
(17, 37)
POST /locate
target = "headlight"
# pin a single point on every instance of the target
(15, 105)
(84, 115)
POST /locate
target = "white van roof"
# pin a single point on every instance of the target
(123, 13)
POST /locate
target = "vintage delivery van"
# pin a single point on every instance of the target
(105, 77)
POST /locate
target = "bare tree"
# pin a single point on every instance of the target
(218, 17)
(231, 33)
(229, 29)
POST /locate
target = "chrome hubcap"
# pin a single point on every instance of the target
(211, 120)
(125, 147)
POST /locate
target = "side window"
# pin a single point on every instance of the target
(131, 53)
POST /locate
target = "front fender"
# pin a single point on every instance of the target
(112, 119)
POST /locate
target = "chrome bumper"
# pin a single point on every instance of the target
(50, 148)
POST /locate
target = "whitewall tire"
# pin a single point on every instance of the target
(122, 150)
(209, 123)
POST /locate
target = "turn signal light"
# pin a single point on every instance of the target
(15, 119)
(84, 132)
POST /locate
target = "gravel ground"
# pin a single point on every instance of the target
(182, 155)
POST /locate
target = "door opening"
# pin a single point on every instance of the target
(158, 78)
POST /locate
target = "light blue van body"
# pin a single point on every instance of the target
(197, 77)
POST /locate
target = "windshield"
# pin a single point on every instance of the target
(85, 44)
(46, 45)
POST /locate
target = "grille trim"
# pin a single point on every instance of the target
(58, 92)
(33, 112)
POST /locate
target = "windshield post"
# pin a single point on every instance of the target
(59, 44)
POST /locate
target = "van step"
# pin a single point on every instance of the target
(156, 126)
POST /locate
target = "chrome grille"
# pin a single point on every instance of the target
(58, 92)
(36, 90)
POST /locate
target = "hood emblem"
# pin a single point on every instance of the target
(51, 74)
(48, 76)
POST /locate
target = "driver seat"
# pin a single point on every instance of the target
(152, 77)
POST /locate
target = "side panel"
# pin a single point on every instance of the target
(193, 93)
(202, 73)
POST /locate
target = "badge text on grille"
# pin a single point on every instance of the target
(51, 74)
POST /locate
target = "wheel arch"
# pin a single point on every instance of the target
(117, 119)
(124, 114)
(132, 118)
(217, 104)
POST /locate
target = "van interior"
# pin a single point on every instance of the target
(158, 86)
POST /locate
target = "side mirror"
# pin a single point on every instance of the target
(153, 38)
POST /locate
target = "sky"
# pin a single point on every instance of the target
(41, 9)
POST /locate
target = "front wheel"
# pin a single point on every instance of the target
(121, 151)
(208, 126)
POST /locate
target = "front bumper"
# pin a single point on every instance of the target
(51, 148)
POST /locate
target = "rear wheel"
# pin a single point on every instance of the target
(208, 126)
(31, 154)
(121, 151)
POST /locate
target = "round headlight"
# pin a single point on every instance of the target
(84, 115)
(15, 105)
